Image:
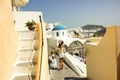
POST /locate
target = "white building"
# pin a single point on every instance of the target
(17, 4)
(59, 33)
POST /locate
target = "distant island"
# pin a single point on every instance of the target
(100, 30)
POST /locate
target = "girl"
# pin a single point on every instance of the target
(61, 54)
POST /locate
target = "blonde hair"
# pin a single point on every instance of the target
(60, 44)
(52, 52)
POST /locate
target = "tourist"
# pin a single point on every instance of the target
(61, 55)
(52, 60)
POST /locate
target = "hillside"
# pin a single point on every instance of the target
(93, 27)
(99, 28)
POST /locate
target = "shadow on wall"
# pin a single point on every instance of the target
(118, 66)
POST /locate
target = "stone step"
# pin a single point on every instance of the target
(27, 63)
(26, 59)
(27, 51)
(28, 45)
(26, 35)
(24, 73)
(24, 67)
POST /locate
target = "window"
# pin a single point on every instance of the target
(57, 34)
(63, 33)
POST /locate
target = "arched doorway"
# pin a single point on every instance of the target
(76, 47)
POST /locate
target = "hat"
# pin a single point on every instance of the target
(53, 55)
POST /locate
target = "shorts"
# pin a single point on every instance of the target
(61, 59)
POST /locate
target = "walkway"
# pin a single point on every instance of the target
(66, 74)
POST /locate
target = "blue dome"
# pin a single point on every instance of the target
(59, 27)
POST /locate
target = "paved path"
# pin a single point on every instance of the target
(66, 74)
(62, 74)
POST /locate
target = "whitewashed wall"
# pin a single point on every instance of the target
(23, 17)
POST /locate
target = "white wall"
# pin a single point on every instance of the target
(23, 17)
(52, 43)
(60, 33)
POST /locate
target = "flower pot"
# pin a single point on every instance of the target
(31, 28)
(31, 25)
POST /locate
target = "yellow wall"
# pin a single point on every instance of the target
(44, 56)
(38, 27)
(118, 52)
(101, 59)
(42, 63)
(8, 40)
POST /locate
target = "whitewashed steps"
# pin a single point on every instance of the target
(26, 52)
(24, 67)
(26, 58)
(27, 45)
(27, 35)
(23, 73)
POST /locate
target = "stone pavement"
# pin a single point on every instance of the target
(66, 74)
(62, 74)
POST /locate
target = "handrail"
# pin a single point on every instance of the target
(38, 68)
(41, 45)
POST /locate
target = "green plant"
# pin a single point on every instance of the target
(31, 25)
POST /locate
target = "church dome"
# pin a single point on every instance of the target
(59, 27)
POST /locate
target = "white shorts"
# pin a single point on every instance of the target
(61, 55)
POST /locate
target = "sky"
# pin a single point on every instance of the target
(76, 13)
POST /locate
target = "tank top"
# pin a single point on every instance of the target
(61, 55)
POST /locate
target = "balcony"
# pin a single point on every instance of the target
(19, 2)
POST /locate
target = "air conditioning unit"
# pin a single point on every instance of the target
(19, 2)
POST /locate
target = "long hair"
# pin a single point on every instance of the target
(59, 46)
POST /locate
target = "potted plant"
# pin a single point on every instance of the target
(31, 25)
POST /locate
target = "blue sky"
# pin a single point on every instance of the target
(75, 13)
